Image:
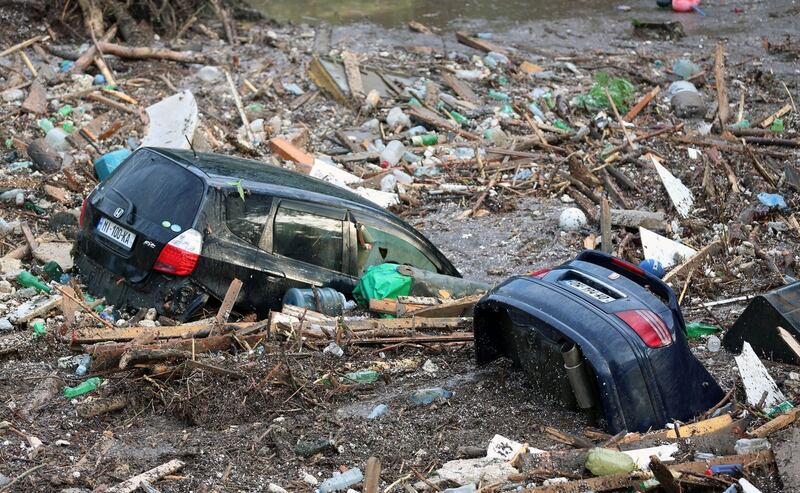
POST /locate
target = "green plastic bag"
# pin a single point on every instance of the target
(381, 282)
(699, 329)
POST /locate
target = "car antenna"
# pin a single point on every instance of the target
(191, 146)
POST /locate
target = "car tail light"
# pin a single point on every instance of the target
(539, 273)
(179, 257)
(83, 211)
(649, 326)
(628, 266)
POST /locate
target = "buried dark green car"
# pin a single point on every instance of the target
(171, 229)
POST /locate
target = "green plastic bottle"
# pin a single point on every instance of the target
(28, 280)
(65, 110)
(562, 125)
(500, 96)
(39, 328)
(777, 126)
(458, 117)
(425, 140)
(360, 376)
(82, 388)
(53, 270)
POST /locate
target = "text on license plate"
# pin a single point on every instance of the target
(588, 290)
(116, 232)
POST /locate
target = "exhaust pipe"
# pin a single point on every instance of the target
(579, 379)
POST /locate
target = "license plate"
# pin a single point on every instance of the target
(116, 233)
(588, 290)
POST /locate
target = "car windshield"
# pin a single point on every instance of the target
(159, 189)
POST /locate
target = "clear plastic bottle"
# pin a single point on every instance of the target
(750, 445)
(378, 411)
(84, 363)
(57, 138)
(427, 396)
(397, 118)
(341, 481)
(392, 153)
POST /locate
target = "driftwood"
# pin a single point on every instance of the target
(144, 52)
(96, 407)
(132, 484)
(137, 355)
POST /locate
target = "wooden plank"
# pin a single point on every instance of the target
(460, 87)
(23, 44)
(456, 308)
(26, 231)
(230, 299)
(791, 342)
(68, 306)
(605, 226)
(638, 107)
(722, 91)
(775, 424)
(756, 379)
(696, 260)
(353, 74)
(90, 335)
(480, 44)
(771, 118)
(418, 323)
(423, 339)
(372, 476)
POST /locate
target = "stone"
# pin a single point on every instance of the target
(36, 102)
(56, 193)
(10, 266)
(482, 470)
(45, 158)
(55, 251)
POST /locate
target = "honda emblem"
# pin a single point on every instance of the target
(118, 212)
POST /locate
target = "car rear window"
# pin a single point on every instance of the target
(159, 189)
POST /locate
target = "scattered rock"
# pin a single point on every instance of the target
(45, 158)
(36, 102)
(55, 251)
(482, 470)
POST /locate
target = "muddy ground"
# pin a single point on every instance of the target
(239, 433)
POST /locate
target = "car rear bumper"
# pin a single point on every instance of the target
(173, 297)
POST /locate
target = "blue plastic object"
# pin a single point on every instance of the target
(773, 200)
(108, 162)
(378, 411)
(612, 311)
(99, 80)
(653, 266)
(729, 469)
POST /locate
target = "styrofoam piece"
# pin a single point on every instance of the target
(661, 248)
(679, 194)
(173, 120)
(756, 379)
(642, 456)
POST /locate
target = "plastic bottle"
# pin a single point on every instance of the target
(750, 445)
(425, 140)
(713, 344)
(604, 462)
(427, 396)
(536, 111)
(685, 68)
(392, 153)
(397, 118)
(686, 101)
(499, 96)
(458, 117)
(57, 138)
(82, 388)
(334, 350)
(209, 73)
(341, 481)
(28, 280)
(777, 126)
(45, 124)
(378, 411)
(389, 183)
(468, 74)
(84, 363)
(53, 270)
(494, 58)
(330, 300)
(360, 376)
(39, 328)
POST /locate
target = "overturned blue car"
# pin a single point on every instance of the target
(600, 334)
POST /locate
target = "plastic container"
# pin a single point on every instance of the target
(685, 68)
(605, 462)
(57, 139)
(45, 124)
(749, 445)
(389, 183)
(427, 396)
(108, 162)
(84, 387)
(392, 153)
(497, 95)
(713, 344)
(331, 301)
(378, 411)
(341, 481)
(39, 327)
(685, 5)
(28, 280)
(53, 270)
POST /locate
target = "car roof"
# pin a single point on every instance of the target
(217, 166)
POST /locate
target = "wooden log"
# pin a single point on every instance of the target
(460, 87)
(605, 226)
(145, 52)
(22, 45)
(96, 407)
(90, 335)
(638, 107)
(423, 339)
(664, 475)
(137, 355)
(88, 56)
(132, 484)
(480, 44)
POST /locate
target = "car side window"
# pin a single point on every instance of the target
(308, 237)
(388, 248)
(247, 218)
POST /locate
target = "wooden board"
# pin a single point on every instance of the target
(460, 87)
(230, 299)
